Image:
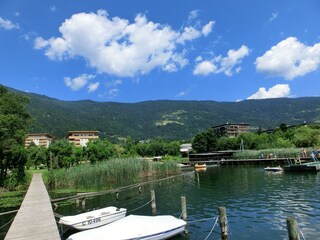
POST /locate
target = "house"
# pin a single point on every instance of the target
(81, 138)
(231, 130)
(185, 149)
(39, 139)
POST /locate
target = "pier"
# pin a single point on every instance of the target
(35, 218)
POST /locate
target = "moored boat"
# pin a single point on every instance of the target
(273, 169)
(200, 166)
(303, 167)
(135, 227)
(94, 218)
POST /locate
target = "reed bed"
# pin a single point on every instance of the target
(109, 174)
(265, 153)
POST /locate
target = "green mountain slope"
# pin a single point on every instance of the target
(166, 119)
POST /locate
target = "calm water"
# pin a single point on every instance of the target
(257, 202)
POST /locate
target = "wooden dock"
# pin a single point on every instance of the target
(35, 218)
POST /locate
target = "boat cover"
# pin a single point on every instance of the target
(135, 227)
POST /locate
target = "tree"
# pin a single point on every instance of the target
(99, 150)
(205, 142)
(61, 154)
(14, 122)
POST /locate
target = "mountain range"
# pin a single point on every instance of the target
(167, 119)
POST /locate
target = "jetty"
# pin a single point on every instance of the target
(35, 219)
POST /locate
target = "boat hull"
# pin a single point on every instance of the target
(304, 167)
(94, 219)
(137, 228)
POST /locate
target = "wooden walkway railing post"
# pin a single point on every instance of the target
(223, 223)
(183, 208)
(153, 202)
(293, 230)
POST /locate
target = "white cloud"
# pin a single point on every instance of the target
(189, 34)
(204, 68)
(277, 91)
(117, 47)
(93, 86)
(113, 92)
(78, 82)
(222, 64)
(7, 24)
(193, 15)
(207, 28)
(289, 59)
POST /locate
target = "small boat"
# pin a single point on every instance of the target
(135, 227)
(94, 218)
(200, 166)
(303, 167)
(274, 169)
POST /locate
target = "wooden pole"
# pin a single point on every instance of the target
(139, 188)
(292, 227)
(223, 223)
(153, 202)
(183, 208)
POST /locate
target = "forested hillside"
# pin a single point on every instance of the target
(165, 119)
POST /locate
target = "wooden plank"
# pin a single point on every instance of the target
(35, 218)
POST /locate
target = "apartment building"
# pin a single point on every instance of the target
(39, 139)
(81, 138)
(231, 130)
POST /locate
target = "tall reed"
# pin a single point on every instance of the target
(109, 174)
(279, 153)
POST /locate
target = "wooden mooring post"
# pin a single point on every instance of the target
(153, 203)
(223, 223)
(183, 208)
(293, 230)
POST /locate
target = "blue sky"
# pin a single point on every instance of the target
(137, 50)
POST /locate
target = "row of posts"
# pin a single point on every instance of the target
(292, 226)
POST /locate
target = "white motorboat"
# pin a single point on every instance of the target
(273, 169)
(94, 218)
(135, 227)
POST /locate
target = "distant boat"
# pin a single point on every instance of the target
(302, 167)
(94, 218)
(200, 166)
(134, 227)
(273, 169)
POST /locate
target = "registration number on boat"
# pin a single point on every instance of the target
(91, 221)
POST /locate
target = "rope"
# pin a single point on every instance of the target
(140, 206)
(302, 234)
(6, 223)
(201, 220)
(215, 223)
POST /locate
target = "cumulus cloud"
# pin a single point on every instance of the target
(79, 82)
(117, 47)
(204, 68)
(93, 86)
(7, 24)
(207, 28)
(277, 91)
(193, 15)
(222, 64)
(289, 59)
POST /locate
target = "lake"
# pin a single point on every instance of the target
(257, 202)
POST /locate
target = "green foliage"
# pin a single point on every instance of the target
(61, 154)
(158, 147)
(13, 127)
(205, 142)
(99, 150)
